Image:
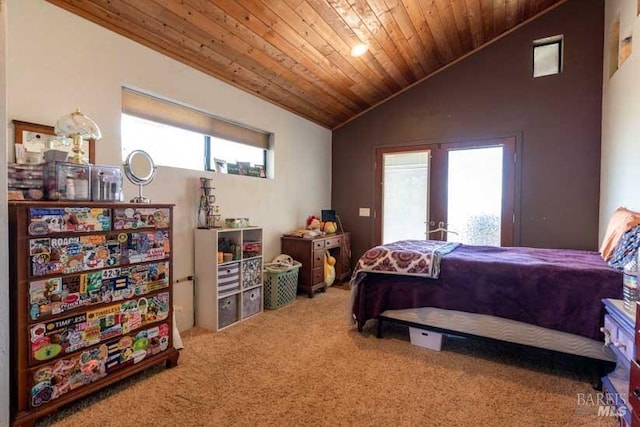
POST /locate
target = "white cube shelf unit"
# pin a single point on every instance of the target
(229, 286)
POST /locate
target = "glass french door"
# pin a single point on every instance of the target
(406, 195)
(462, 192)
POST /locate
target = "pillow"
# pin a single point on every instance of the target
(621, 221)
(627, 249)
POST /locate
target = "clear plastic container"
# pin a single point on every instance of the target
(66, 181)
(106, 183)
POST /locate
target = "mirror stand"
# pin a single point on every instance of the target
(140, 198)
(140, 170)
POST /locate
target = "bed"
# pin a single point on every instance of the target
(546, 298)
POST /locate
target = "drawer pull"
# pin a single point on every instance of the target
(636, 393)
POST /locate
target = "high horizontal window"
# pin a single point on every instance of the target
(178, 136)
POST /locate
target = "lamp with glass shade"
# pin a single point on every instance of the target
(78, 127)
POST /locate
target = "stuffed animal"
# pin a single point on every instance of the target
(314, 223)
(329, 269)
(330, 227)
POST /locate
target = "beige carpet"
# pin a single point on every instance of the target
(302, 365)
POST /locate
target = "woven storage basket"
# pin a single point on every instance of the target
(280, 287)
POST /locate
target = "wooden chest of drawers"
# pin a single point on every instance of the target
(310, 252)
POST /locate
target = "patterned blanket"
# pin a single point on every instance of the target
(406, 257)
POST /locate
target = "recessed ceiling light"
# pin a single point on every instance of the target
(359, 49)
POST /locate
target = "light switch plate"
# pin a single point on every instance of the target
(365, 212)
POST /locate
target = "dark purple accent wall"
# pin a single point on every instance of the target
(492, 93)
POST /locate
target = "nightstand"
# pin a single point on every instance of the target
(620, 337)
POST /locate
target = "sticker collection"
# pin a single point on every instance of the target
(60, 294)
(51, 255)
(66, 335)
(135, 218)
(75, 219)
(66, 374)
(124, 268)
(82, 219)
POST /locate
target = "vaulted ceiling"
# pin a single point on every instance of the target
(296, 53)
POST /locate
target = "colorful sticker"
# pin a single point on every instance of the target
(57, 295)
(139, 218)
(55, 379)
(76, 254)
(66, 335)
(65, 219)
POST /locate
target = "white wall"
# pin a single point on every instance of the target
(58, 62)
(4, 269)
(620, 173)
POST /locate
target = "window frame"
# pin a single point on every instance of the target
(548, 41)
(165, 112)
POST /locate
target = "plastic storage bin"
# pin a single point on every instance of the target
(106, 183)
(426, 339)
(280, 287)
(25, 181)
(67, 181)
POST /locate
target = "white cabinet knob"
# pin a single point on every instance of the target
(619, 345)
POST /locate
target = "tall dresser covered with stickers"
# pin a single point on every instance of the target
(91, 299)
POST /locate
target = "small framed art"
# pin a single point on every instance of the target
(220, 165)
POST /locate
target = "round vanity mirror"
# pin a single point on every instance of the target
(140, 170)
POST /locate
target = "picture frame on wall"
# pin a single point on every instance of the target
(220, 165)
(243, 168)
(232, 168)
(32, 140)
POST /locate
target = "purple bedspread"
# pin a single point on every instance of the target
(553, 288)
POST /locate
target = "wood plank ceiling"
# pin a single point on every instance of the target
(296, 53)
